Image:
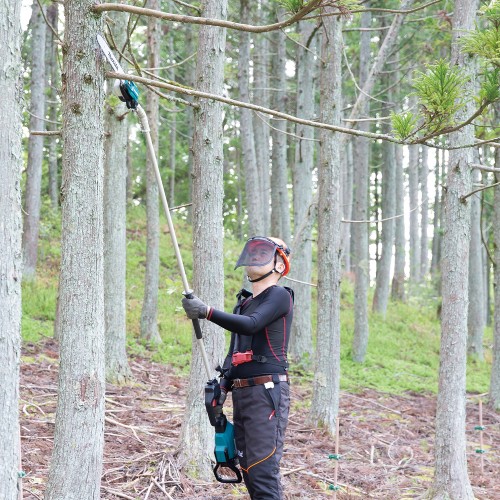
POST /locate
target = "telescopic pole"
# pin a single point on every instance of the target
(143, 119)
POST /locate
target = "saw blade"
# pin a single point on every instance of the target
(109, 55)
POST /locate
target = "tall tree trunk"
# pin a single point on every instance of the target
(35, 144)
(450, 477)
(173, 129)
(347, 183)
(53, 69)
(301, 346)
(414, 222)
(424, 210)
(280, 211)
(436, 233)
(252, 183)
(495, 366)
(476, 318)
(197, 434)
(383, 278)
(115, 227)
(361, 258)
(398, 281)
(190, 80)
(261, 122)
(326, 387)
(76, 466)
(149, 313)
(10, 243)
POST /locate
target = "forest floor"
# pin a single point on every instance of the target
(386, 441)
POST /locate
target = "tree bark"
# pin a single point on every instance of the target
(149, 313)
(301, 346)
(261, 122)
(326, 388)
(450, 477)
(414, 222)
(173, 130)
(436, 233)
(424, 211)
(361, 259)
(35, 144)
(495, 366)
(76, 466)
(115, 226)
(53, 70)
(252, 183)
(10, 243)
(197, 435)
(280, 208)
(347, 183)
(476, 318)
(398, 281)
(383, 277)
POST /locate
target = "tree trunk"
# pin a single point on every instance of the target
(53, 69)
(398, 281)
(361, 259)
(173, 129)
(495, 366)
(424, 210)
(301, 346)
(10, 243)
(476, 318)
(414, 222)
(261, 122)
(115, 226)
(252, 183)
(383, 279)
(280, 210)
(326, 387)
(450, 477)
(347, 183)
(76, 466)
(436, 233)
(149, 313)
(35, 144)
(197, 435)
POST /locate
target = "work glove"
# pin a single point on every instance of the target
(195, 308)
(225, 386)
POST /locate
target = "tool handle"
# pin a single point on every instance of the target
(196, 322)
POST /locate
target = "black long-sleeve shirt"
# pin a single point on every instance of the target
(262, 325)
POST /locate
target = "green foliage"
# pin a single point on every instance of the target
(485, 43)
(403, 124)
(440, 93)
(490, 86)
(292, 6)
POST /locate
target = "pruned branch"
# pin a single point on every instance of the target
(261, 109)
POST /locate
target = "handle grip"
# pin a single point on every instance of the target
(196, 323)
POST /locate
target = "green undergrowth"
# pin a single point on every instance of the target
(403, 347)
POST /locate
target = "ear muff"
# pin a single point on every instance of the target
(284, 256)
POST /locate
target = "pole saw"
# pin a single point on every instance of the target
(225, 449)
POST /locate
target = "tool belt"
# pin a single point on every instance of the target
(262, 379)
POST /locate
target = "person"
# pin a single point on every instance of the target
(256, 367)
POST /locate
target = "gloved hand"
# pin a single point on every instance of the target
(225, 386)
(194, 307)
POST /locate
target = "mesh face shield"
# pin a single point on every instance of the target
(260, 251)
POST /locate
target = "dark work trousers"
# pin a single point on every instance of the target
(260, 420)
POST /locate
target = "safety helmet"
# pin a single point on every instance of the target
(260, 251)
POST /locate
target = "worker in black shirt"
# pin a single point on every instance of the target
(256, 364)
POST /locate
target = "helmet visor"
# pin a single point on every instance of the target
(258, 251)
